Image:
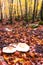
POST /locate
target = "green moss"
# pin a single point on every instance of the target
(41, 23)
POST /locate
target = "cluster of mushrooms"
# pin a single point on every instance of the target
(23, 47)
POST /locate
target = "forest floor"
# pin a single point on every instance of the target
(18, 32)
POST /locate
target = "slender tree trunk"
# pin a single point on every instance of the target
(17, 9)
(14, 10)
(30, 9)
(21, 8)
(37, 8)
(0, 12)
(33, 17)
(10, 10)
(26, 18)
(41, 12)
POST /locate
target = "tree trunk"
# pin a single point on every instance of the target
(17, 8)
(33, 17)
(0, 12)
(30, 10)
(26, 18)
(21, 8)
(10, 10)
(41, 12)
(37, 8)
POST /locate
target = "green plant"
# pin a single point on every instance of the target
(34, 26)
(41, 23)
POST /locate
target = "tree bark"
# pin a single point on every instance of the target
(0, 12)
(26, 18)
(21, 8)
(41, 12)
(33, 17)
(10, 10)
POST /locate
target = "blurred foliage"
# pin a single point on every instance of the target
(41, 23)
(21, 9)
(34, 25)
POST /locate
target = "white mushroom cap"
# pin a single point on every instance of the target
(7, 29)
(9, 49)
(22, 47)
